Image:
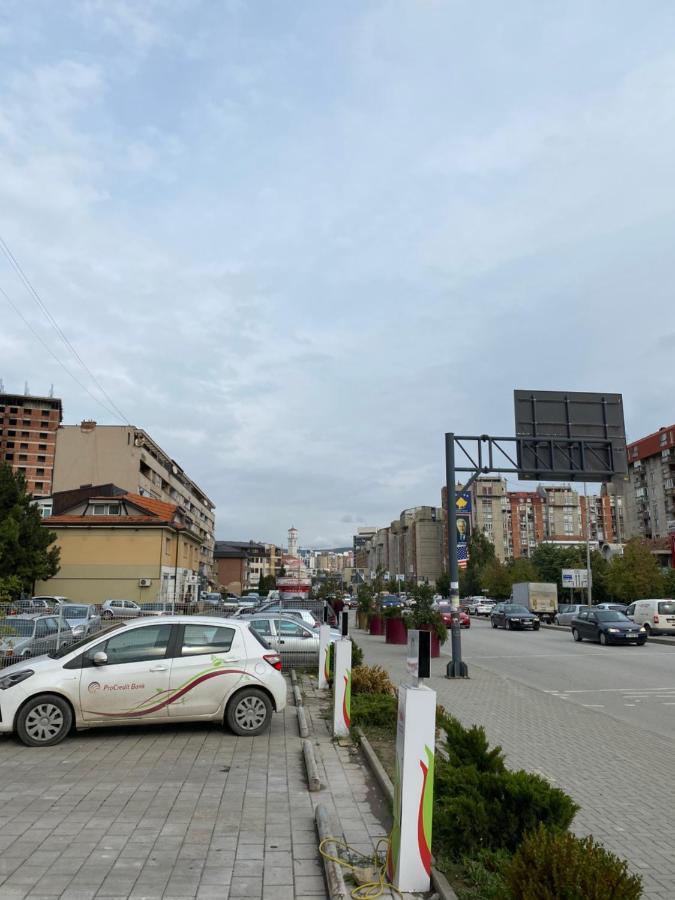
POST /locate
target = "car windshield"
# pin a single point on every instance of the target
(74, 612)
(16, 628)
(83, 642)
(667, 607)
(519, 610)
(610, 615)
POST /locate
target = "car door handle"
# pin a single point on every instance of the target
(158, 668)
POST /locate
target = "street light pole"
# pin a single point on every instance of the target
(588, 548)
(456, 668)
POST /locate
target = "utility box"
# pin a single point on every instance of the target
(540, 597)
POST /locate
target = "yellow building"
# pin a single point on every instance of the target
(122, 546)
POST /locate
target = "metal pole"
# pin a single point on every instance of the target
(588, 548)
(456, 668)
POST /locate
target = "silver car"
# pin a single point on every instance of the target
(82, 618)
(567, 611)
(120, 609)
(24, 636)
(293, 640)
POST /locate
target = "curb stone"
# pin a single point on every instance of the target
(438, 881)
(335, 882)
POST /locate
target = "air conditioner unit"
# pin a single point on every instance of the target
(144, 582)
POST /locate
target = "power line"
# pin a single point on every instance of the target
(51, 353)
(52, 321)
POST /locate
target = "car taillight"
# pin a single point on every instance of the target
(656, 618)
(274, 660)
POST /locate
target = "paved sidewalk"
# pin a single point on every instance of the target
(176, 812)
(621, 776)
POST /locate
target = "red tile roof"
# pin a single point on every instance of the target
(156, 507)
(105, 520)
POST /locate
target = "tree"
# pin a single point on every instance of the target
(443, 584)
(481, 553)
(267, 583)
(521, 569)
(550, 560)
(636, 574)
(26, 554)
(496, 580)
(669, 584)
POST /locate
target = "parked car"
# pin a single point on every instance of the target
(607, 626)
(445, 609)
(120, 609)
(37, 604)
(483, 607)
(512, 616)
(26, 635)
(657, 616)
(212, 599)
(313, 606)
(617, 607)
(82, 618)
(567, 611)
(178, 669)
(291, 638)
(49, 601)
(469, 604)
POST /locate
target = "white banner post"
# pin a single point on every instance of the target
(324, 643)
(409, 855)
(342, 687)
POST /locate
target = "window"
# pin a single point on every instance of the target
(44, 424)
(39, 471)
(9, 456)
(201, 639)
(262, 627)
(39, 486)
(24, 434)
(12, 421)
(43, 436)
(41, 459)
(10, 444)
(41, 628)
(289, 629)
(11, 434)
(134, 645)
(23, 446)
(23, 457)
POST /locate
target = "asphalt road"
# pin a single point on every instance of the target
(635, 685)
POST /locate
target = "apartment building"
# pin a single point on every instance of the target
(127, 456)
(650, 487)
(411, 546)
(490, 515)
(606, 513)
(28, 426)
(239, 565)
(360, 545)
(525, 518)
(563, 513)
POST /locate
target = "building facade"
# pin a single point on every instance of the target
(650, 487)
(28, 427)
(127, 456)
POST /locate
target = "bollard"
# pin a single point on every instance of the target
(342, 687)
(324, 643)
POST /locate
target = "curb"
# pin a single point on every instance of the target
(438, 881)
(335, 882)
(303, 727)
(313, 779)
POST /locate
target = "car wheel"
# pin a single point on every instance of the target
(556, 621)
(249, 712)
(44, 721)
(603, 639)
(509, 625)
(648, 629)
(535, 627)
(106, 614)
(493, 623)
(576, 635)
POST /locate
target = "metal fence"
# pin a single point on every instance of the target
(27, 632)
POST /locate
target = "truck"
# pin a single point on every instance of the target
(540, 597)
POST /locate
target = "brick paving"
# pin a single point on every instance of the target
(176, 812)
(620, 775)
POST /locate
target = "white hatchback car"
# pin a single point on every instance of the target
(173, 669)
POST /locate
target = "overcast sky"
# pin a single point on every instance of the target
(298, 241)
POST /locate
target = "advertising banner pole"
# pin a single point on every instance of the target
(342, 687)
(324, 643)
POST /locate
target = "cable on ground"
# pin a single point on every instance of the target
(363, 867)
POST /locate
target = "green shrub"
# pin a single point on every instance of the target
(357, 656)
(553, 865)
(483, 876)
(469, 746)
(371, 680)
(493, 810)
(377, 710)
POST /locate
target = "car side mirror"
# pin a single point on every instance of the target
(100, 658)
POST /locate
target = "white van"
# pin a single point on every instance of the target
(657, 616)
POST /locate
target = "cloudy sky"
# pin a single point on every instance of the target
(296, 242)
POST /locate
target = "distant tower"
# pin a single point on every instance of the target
(292, 541)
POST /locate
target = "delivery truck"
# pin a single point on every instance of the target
(540, 597)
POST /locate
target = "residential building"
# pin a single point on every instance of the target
(606, 513)
(118, 545)
(524, 524)
(411, 546)
(650, 487)
(562, 519)
(361, 540)
(239, 565)
(28, 426)
(491, 507)
(127, 456)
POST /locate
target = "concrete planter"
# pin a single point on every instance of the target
(376, 625)
(362, 620)
(395, 631)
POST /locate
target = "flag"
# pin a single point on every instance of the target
(462, 556)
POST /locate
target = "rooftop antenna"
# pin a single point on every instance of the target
(2, 386)
(25, 388)
(51, 390)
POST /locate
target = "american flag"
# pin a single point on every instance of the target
(462, 556)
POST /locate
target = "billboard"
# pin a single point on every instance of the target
(570, 435)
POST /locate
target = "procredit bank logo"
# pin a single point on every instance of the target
(94, 686)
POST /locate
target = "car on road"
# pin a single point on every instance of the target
(120, 609)
(82, 618)
(26, 635)
(390, 601)
(483, 607)
(177, 669)
(608, 627)
(617, 607)
(567, 611)
(292, 639)
(656, 616)
(445, 609)
(513, 616)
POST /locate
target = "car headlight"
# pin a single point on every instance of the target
(8, 681)
(614, 630)
(78, 630)
(643, 630)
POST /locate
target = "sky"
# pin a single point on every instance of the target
(298, 242)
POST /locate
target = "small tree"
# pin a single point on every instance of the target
(481, 554)
(26, 551)
(636, 574)
(443, 584)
